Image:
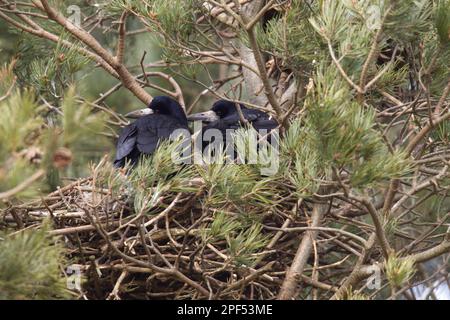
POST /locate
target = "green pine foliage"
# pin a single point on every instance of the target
(399, 271)
(49, 68)
(176, 18)
(232, 183)
(291, 37)
(30, 266)
(19, 142)
(301, 160)
(442, 22)
(338, 133)
(243, 237)
(345, 134)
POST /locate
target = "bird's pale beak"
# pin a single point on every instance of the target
(138, 113)
(207, 116)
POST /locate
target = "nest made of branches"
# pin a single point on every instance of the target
(167, 254)
(180, 248)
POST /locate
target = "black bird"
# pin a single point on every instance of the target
(154, 124)
(224, 115)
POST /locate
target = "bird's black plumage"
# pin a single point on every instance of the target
(226, 117)
(143, 135)
(229, 117)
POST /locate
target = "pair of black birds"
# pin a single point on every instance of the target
(164, 115)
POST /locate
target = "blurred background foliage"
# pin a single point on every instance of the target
(30, 264)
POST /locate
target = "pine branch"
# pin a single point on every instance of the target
(295, 271)
(35, 29)
(122, 34)
(22, 186)
(126, 77)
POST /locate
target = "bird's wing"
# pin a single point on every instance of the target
(250, 115)
(268, 124)
(254, 115)
(232, 121)
(126, 142)
(147, 140)
(154, 128)
(259, 119)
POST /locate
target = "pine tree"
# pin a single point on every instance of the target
(360, 90)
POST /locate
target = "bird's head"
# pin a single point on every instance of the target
(161, 105)
(219, 110)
